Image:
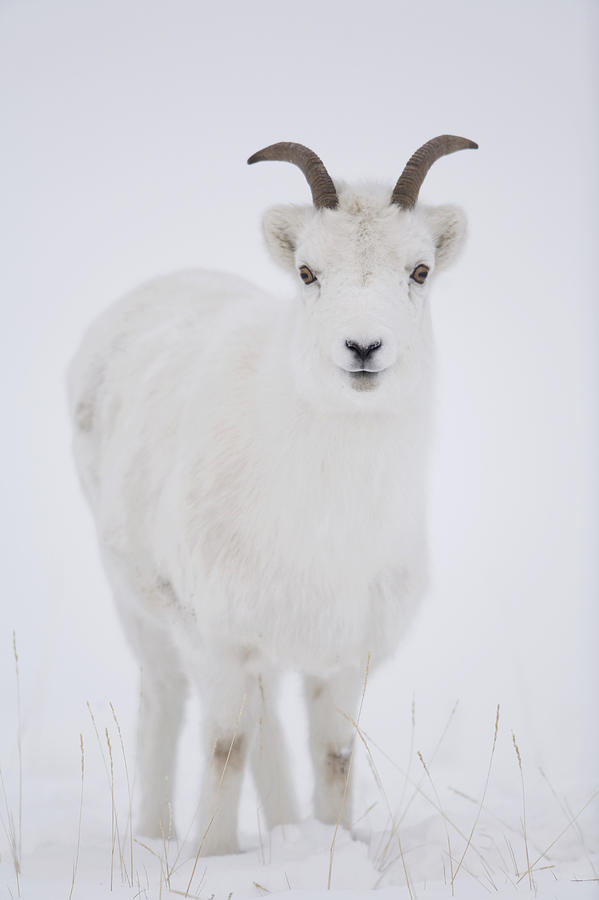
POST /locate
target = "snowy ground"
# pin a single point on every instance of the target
(447, 822)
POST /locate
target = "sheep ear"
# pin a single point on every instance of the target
(448, 226)
(281, 226)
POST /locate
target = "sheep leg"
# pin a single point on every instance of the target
(270, 759)
(331, 742)
(162, 694)
(229, 695)
(162, 698)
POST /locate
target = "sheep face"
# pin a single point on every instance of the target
(363, 271)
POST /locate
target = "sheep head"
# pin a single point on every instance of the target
(363, 260)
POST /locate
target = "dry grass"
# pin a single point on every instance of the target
(113, 810)
(436, 793)
(347, 779)
(475, 823)
(420, 792)
(10, 829)
(116, 844)
(13, 828)
(130, 827)
(565, 808)
(572, 822)
(519, 758)
(379, 783)
(19, 833)
(78, 846)
(436, 749)
(411, 787)
(381, 854)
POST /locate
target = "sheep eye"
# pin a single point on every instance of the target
(419, 274)
(307, 275)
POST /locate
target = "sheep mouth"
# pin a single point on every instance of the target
(362, 380)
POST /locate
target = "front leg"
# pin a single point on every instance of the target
(270, 759)
(229, 700)
(331, 742)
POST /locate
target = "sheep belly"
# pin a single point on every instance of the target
(312, 569)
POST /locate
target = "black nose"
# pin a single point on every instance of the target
(361, 351)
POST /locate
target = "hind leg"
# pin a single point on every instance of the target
(270, 759)
(162, 696)
(163, 693)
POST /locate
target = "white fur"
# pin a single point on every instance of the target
(255, 510)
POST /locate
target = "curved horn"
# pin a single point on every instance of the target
(405, 192)
(321, 183)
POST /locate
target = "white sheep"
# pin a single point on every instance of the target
(256, 468)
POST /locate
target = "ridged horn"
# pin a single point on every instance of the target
(405, 192)
(321, 183)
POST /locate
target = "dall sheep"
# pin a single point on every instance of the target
(257, 470)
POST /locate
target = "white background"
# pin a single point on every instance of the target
(125, 130)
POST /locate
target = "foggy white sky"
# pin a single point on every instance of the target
(126, 127)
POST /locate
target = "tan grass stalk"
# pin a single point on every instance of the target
(397, 859)
(381, 855)
(565, 808)
(561, 834)
(475, 823)
(505, 824)
(503, 865)
(364, 814)
(20, 755)
(158, 857)
(118, 728)
(163, 877)
(102, 754)
(149, 849)
(436, 793)
(116, 836)
(10, 831)
(478, 880)
(261, 842)
(488, 871)
(512, 856)
(112, 835)
(347, 777)
(76, 861)
(432, 759)
(181, 844)
(411, 753)
(109, 769)
(519, 758)
(400, 816)
(379, 783)
(165, 851)
(418, 790)
(165, 837)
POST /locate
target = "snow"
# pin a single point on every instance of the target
(295, 861)
(433, 814)
(126, 129)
